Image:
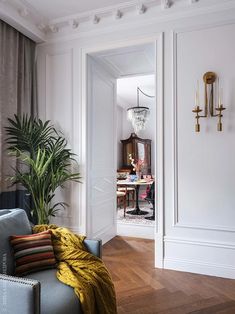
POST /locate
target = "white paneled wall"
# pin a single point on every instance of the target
(207, 166)
(59, 78)
(199, 169)
(201, 233)
(57, 105)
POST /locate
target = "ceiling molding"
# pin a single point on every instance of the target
(23, 19)
(95, 19)
(53, 28)
(141, 9)
(23, 16)
(166, 4)
(118, 14)
(129, 61)
(74, 23)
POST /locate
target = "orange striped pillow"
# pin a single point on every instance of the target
(32, 252)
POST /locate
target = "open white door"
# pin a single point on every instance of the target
(101, 171)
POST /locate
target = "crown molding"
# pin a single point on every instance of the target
(23, 19)
(166, 4)
(26, 19)
(117, 14)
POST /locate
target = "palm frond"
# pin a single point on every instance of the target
(43, 149)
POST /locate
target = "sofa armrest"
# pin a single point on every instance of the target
(19, 295)
(94, 247)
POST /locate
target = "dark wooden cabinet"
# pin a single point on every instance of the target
(139, 149)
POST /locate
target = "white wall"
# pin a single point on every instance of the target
(202, 233)
(199, 198)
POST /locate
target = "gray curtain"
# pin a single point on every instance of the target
(17, 96)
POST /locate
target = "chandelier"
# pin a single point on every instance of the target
(138, 115)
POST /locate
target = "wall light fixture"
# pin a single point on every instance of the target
(209, 79)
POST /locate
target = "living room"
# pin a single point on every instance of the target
(194, 135)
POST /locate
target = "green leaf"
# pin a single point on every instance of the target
(43, 150)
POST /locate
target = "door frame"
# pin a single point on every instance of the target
(84, 215)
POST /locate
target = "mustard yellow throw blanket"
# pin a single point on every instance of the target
(81, 270)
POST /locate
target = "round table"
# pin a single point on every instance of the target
(136, 184)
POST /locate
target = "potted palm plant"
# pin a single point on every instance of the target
(47, 163)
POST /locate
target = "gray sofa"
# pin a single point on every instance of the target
(37, 293)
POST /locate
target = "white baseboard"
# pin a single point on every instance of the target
(129, 230)
(158, 251)
(135, 230)
(225, 271)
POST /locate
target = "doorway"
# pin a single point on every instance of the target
(99, 99)
(135, 214)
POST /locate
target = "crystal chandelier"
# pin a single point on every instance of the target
(138, 115)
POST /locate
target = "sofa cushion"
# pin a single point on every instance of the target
(33, 252)
(56, 297)
(12, 221)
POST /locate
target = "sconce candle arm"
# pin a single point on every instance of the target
(212, 103)
(220, 109)
(209, 79)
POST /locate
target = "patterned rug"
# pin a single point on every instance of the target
(136, 219)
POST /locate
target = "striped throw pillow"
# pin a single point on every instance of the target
(32, 252)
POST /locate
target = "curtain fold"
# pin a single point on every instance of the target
(17, 96)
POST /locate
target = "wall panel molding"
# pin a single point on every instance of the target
(225, 245)
(52, 111)
(176, 210)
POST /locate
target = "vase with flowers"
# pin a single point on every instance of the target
(137, 166)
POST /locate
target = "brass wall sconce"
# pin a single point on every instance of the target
(209, 79)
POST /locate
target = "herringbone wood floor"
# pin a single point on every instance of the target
(142, 289)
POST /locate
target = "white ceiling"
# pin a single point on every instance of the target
(129, 61)
(53, 9)
(127, 90)
(133, 67)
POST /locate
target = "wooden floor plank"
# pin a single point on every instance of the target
(142, 289)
